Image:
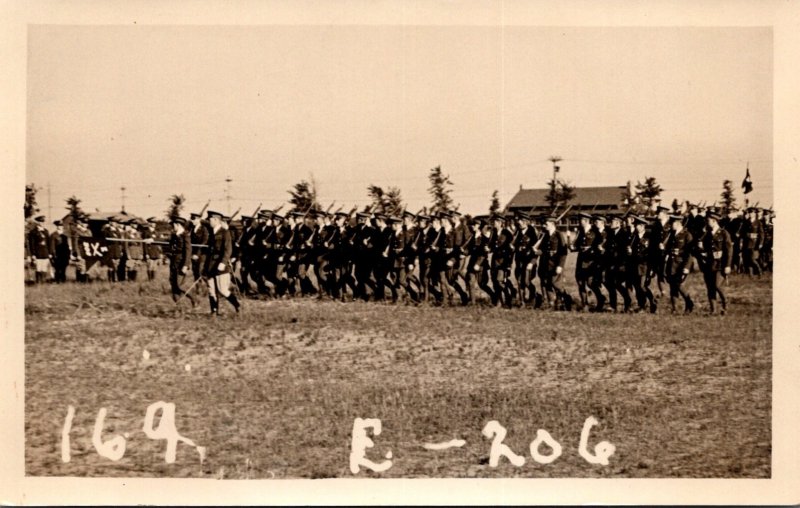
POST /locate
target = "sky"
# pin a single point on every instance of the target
(164, 110)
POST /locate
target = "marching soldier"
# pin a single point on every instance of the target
(584, 265)
(152, 251)
(639, 265)
(553, 252)
(456, 234)
(218, 264)
(59, 248)
(599, 257)
(617, 246)
(679, 252)
(200, 236)
(39, 249)
(81, 231)
(111, 232)
(717, 250)
(502, 255)
(659, 237)
(180, 258)
(752, 241)
(134, 252)
(363, 256)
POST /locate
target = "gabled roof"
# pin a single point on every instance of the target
(603, 197)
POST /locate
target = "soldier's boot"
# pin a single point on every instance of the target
(711, 307)
(234, 301)
(567, 301)
(689, 305)
(212, 302)
(673, 302)
(601, 302)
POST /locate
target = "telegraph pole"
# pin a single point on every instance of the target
(49, 204)
(123, 197)
(555, 160)
(228, 195)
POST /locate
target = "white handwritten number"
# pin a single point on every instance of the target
(166, 430)
(65, 455)
(493, 429)
(112, 449)
(360, 442)
(542, 436)
(602, 450)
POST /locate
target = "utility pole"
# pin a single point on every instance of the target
(49, 204)
(228, 195)
(123, 198)
(555, 160)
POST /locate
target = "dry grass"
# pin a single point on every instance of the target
(274, 392)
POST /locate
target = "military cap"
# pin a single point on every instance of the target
(455, 213)
(423, 217)
(660, 209)
(152, 220)
(407, 214)
(712, 215)
(675, 216)
(215, 214)
(638, 219)
(585, 215)
(246, 217)
(496, 216)
(341, 214)
(56, 222)
(295, 213)
(600, 217)
(39, 218)
(690, 205)
(194, 215)
(265, 214)
(276, 216)
(178, 220)
(522, 215)
(394, 220)
(549, 218)
(381, 216)
(615, 216)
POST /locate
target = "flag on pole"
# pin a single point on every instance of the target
(747, 183)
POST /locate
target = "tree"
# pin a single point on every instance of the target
(304, 196)
(386, 202)
(494, 206)
(30, 201)
(176, 202)
(440, 190)
(727, 197)
(559, 193)
(629, 201)
(675, 206)
(648, 192)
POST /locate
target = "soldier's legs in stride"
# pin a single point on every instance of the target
(483, 283)
(596, 285)
(455, 280)
(621, 282)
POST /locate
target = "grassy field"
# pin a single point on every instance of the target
(274, 392)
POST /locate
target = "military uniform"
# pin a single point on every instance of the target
(554, 248)
(752, 241)
(639, 266)
(679, 252)
(584, 264)
(717, 252)
(218, 264)
(180, 258)
(59, 247)
(39, 249)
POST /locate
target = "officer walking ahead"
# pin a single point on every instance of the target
(717, 252)
(180, 257)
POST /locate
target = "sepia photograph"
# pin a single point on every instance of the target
(307, 251)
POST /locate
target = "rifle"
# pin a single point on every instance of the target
(205, 207)
(338, 209)
(258, 209)
(235, 213)
(329, 208)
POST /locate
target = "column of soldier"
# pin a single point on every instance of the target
(442, 258)
(449, 259)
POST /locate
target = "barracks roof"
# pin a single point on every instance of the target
(605, 198)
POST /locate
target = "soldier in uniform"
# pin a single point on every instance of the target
(500, 264)
(383, 255)
(553, 251)
(479, 250)
(180, 257)
(660, 233)
(111, 232)
(752, 240)
(617, 246)
(599, 256)
(39, 249)
(218, 264)
(152, 251)
(679, 252)
(134, 251)
(363, 256)
(717, 250)
(639, 257)
(433, 258)
(584, 265)
(59, 247)
(200, 236)
(456, 235)
(81, 231)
